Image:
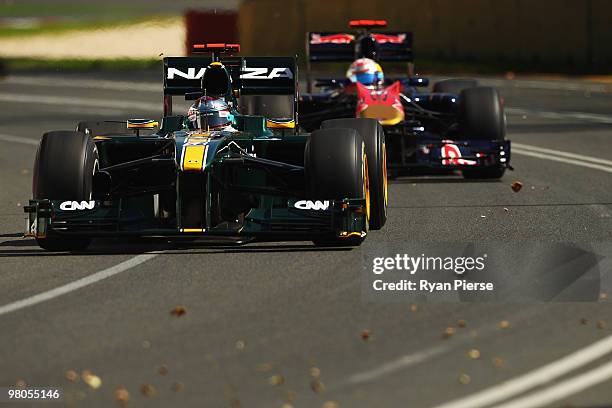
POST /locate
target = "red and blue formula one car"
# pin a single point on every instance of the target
(457, 126)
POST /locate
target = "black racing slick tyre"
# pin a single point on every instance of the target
(481, 117)
(100, 128)
(336, 166)
(63, 170)
(481, 114)
(373, 135)
(454, 86)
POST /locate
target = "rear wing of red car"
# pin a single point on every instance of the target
(332, 46)
(249, 76)
(381, 46)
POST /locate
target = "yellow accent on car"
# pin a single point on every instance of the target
(280, 124)
(140, 124)
(101, 138)
(193, 230)
(193, 157)
(345, 234)
(394, 121)
(385, 114)
(197, 138)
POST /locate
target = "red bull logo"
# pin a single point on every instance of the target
(331, 39)
(391, 39)
(451, 156)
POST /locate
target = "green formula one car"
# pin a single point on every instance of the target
(255, 177)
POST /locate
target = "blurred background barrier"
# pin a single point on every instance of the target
(541, 35)
(459, 36)
(210, 26)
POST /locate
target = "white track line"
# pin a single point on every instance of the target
(551, 85)
(77, 284)
(396, 365)
(563, 389)
(545, 84)
(562, 160)
(562, 153)
(535, 378)
(21, 140)
(582, 116)
(86, 102)
(66, 82)
(83, 110)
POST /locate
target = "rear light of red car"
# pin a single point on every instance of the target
(367, 23)
(216, 47)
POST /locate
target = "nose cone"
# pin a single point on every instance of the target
(381, 104)
(216, 81)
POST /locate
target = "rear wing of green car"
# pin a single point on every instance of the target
(249, 75)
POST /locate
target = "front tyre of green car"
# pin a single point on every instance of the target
(63, 170)
(340, 152)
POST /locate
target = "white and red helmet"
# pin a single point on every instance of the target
(365, 71)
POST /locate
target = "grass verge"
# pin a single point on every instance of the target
(82, 24)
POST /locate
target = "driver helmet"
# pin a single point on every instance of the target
(365, 71)
(209, 113)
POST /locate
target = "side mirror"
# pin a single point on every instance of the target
(418, 81)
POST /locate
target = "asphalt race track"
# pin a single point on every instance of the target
(263, 321)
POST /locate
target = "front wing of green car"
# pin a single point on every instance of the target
(299, 220)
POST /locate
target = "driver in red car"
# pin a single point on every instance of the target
(374, 100)
(367, 72)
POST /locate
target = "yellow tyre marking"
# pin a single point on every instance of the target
(385, 183)
(366, 183)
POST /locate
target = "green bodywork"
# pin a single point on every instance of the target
(250, 184)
